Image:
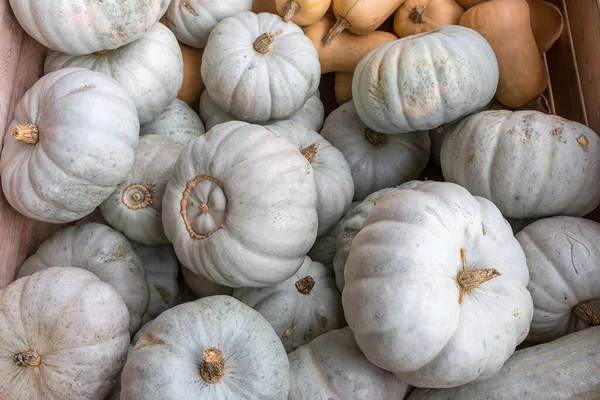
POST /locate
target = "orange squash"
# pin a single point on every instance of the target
(360, 17)
(348, 49)
(343, 87)
(192, 86)
(466, 4)
(259, 6)
(506, 26)
(302, 12)
(546, 23)
(418, 16)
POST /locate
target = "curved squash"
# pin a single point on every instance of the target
(302, 12)
(192, 86)
(418, 16)
(343, 87)
(546, 23)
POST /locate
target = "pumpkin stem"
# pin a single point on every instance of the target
(418, 15)
(263, 42)
(375, 138)
(141, 197)
(340, 25)
(28, 359)
(310, 152)
(204, 208)
(305, 285)
(469, 279)
(101, 52)
(350, 233)
(586, 312)
(290, 10)
(213, 365)
(27, 133)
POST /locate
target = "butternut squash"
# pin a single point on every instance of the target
(546, 23)
(260, 6)
(192, 86)
(360, 17)
(302, 12)
(418, 16)
(348, 49)
(506, 26)
(466, 4)
(343, 87)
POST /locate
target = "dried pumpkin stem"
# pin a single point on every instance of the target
(188, 8)
(212, 369)
(305, 285)
(101, 52)
(27, 359)
(469, 279)
(310, 152)
(263, 42)
(586, 312)
(418, 15)
(340, 25)
(374, 138)
(350, 233)
(204, 208)
(291, 7)
(140, 194)
(27, 133)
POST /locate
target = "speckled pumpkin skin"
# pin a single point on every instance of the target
(178, 121)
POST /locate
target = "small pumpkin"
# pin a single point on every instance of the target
(198, 349)
(102, 251)
(333, 367)
(546, 23)
(64, 336)
(530, 164)
(323, 250)
(342, 87)
(202, 287)
(310, 115)
(135, 207)
(69, 145)
(192, 21)
(302, 12)
(258, 68)
(418, 16)
(178, 122)
(241, 206)
(435, 252)
(149, 69)
(193, 85)
(457, 74)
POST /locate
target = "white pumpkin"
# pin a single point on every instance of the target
(425, 80)
(212, 348)
(192, 21)
(301, 308)
(149, 69)
(135, 207)
(564, 268)
(162, 268)
(64, 336)
(529, 164)
(333, 367)
(178, 121)
(103, 251)
(240, 207)
(203, 287)
(258, 68)
(376, 160)
(436, 286)
(86, 27)
(335, 187)
(310, 115)
(69, 145)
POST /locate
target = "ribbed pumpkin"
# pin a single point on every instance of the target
(178, 122)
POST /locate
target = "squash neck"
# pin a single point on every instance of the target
(212, 368)
(418, 15)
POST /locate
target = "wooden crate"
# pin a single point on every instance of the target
(574, 93)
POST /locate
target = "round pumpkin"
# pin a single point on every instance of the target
(241, 206)
(178, 121)
(86, 27)
(69, 145)
(335, 188)
(64, 336)
(376, 160)
(418, 16)
(212, 348)
(323, 250)
(529, 164)
(102, 251)
(258, 68)
(437, 253)
(149, 69)
(202, 287)
(135, 207)
(423, 81)
(192, 21)
(333, 367)
(301, 308)
(564, 268)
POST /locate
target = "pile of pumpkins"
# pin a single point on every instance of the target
(323, 268)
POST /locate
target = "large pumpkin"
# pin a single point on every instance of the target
(240, 207)
(528, 163)
(258, 67)
(70, 144)
(135, 208)
(86, 27)
(178, 121)
(301, 308)
(423, 81)
(149, 69)
(437, 253)
(102, 251)
(376, 160)
(212, 348)
(64, 336)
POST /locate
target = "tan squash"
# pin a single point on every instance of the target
(418, 16)
(360, 17)
(347, 50)
(302, 12)
(343, 87)
(507, 27)
(260, 6)
(466, 4)
(192, 86)
(546, 23)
